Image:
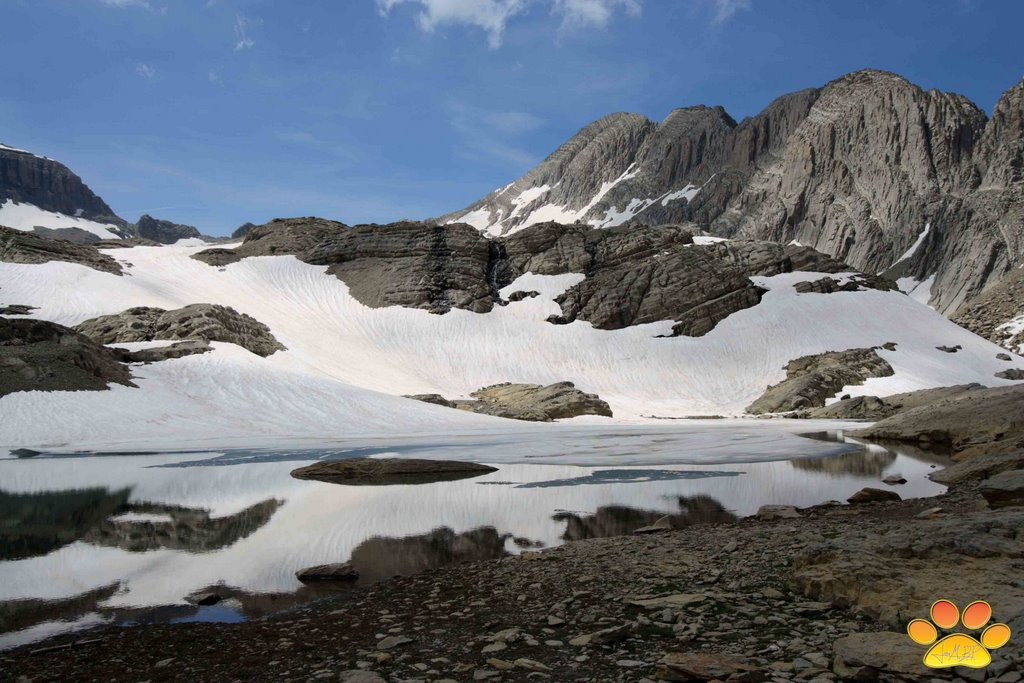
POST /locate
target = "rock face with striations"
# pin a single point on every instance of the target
(878, 408)
(811, 380)
(29, 179)
(25, 247)
(164, 232)
(869, 169)
(208, 322)
(36, 355)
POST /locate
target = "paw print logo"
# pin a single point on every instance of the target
(958, 649)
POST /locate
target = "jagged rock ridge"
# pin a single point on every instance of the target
(869, 169)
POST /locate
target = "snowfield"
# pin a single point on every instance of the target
(347, 365)
(27, 216)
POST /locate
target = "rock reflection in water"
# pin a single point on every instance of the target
(380, 557)
(619, 520)
(859, 463)
(187, 529)
(33, 524)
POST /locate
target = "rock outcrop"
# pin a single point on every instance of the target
(992, 314)
(870, 169)
(29, 179)
(531, 402)
(242, 230)
(164, 232)
(877, 408)
(207, 322)
(175, 350)
(971, 423)
(17, 246)
(36, 355)
(389, 471)
(811, 380)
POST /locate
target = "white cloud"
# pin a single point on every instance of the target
(242, 39)
(213, 76)
(725, 9)
(593, 13)
(126, 3)
(489, 15)
(145, 70)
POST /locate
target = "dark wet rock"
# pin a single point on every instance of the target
(205, 599)
(176, 350)
(1012, 373)
(949, 349)
(663, 523)
(811, 380)
(164, 232)
(520, 295)
(386, 471)
(1003, 356)
(242, 230)
(894, 480)
(877, 408)
(16, 309)
(24, 247)
(209, 322)
(1004, 489)
(436, 399)
(36, 355)
(986, 420)
(189, 529)
(872, 495)
(328, 572)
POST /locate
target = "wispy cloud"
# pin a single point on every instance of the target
(301, 138)
(592, 13)
(489, 15)
(126, 3)
(242, 39)
(145, 70)
(726, 9)
(492, 135)
(213, 76)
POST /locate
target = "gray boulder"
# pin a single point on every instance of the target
(17, 246)
(811, 380)
(872, 495)
(1012, 373)
(36, 355)
(207, 322)
(1004, 489)
(328, 572)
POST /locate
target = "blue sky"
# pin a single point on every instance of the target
(217, 112)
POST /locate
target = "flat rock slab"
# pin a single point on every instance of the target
(700, 666)
(860, 653)
(675, 600)
(872, 495)
(389, 471)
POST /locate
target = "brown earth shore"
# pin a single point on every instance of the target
(822, 596)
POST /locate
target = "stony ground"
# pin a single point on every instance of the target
(711, 602)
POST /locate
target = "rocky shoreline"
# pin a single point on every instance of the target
(820, 594)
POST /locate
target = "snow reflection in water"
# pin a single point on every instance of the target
(115, 539)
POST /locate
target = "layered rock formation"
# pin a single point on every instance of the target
(207, 322)
(25, 247)
(878, 408)
(969, 423)
(29, 179)
(36, 355)
(531, 402)
(869, 169)
(811, 380)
